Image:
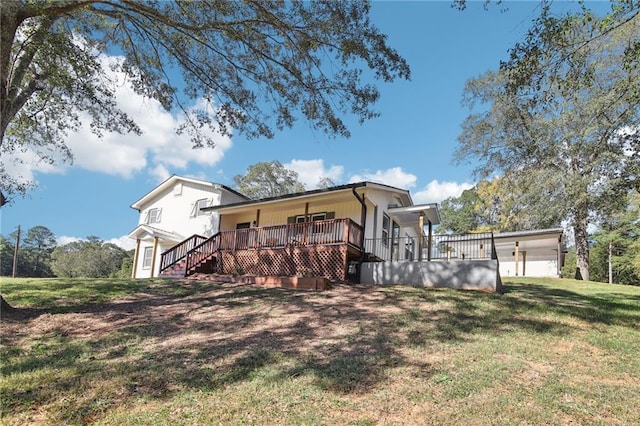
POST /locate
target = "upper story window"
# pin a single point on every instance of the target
(196, 209)
(153, 216)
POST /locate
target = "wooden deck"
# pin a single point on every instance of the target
(321, 249)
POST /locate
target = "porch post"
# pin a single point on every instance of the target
(135, 259)
(306, 225)
(515, 256)
(153, 255)
(421, 239)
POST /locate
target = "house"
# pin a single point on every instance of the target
(324, 232)
(361, 232)
(171, 213)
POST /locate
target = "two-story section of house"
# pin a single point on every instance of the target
(171, 213)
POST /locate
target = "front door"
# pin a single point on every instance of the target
(242, 235)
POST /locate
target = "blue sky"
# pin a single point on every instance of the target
(410, 145)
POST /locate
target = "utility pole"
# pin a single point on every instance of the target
(15, 254)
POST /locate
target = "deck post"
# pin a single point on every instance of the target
(135, 259)
(515, 256)
(153, 255)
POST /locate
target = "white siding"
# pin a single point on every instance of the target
(176, 204)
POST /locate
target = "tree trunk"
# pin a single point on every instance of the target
(610, 262)
(5, 306)
(581, 236)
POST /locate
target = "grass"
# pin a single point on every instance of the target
(118, 352)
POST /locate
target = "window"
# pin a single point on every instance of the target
(318, 216)
(146, 260)
(196, 210)
(313, 218)
(385, 229)
(153, 216)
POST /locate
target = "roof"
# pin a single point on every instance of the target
(171, 181)
(311, 193)
(537, 241)
(529, 234)
(142, 231)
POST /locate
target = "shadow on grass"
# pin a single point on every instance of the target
(206, 336)
(607, 309)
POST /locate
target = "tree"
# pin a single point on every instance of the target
(37, 245)
(268, 179)
(92, 258)
(615, 249)
(498, 205)
(459, 214)
(34, 254)
(325, 182)
(252, 67)
(6, 257)
(572, 132)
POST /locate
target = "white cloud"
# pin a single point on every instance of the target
(160, 173)
(157, 148)
(123, 242)
(311, 171)
(64, 239)
(436, 192)
(22, 166)
(393, 177)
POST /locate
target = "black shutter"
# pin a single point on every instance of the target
(331, 215)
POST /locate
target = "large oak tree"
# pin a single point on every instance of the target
(562, 119)
(250, 66)
(268, 179)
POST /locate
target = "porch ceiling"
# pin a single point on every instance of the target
(537, 241)
(539, 245)
(410, 215)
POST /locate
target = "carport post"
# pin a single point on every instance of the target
(429, 241)
(421, 239)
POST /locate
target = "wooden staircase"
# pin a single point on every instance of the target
(196, 254)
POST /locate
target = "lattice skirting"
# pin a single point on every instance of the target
(320, 261)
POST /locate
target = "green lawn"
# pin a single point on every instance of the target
(169, 352)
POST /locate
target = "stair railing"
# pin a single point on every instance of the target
(178, 252)
(201, 252)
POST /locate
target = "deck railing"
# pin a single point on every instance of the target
(322, 232)
(443, 247)
(178, 252)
